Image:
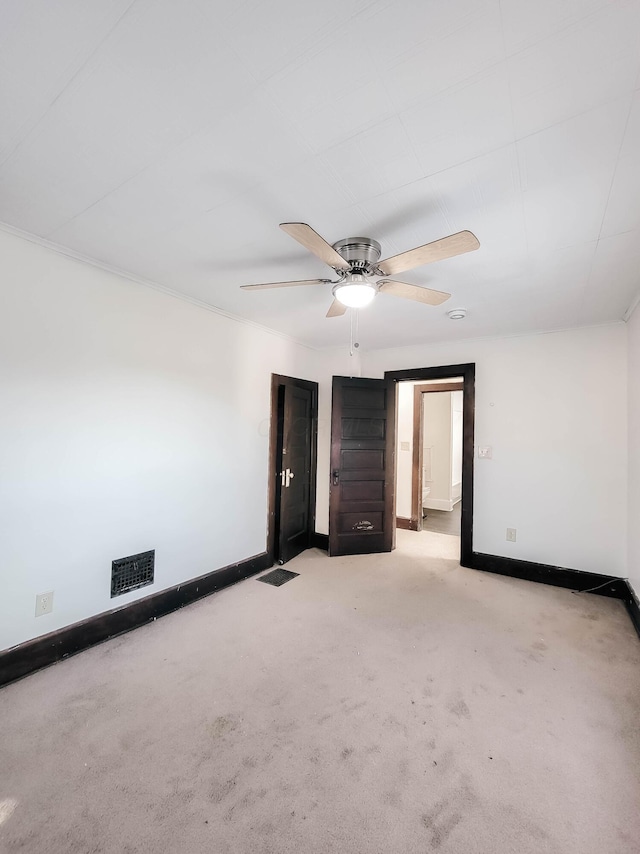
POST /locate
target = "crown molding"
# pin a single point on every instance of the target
(66, 252)
(629, 312)
(444, 342)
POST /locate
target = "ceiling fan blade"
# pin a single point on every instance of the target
(414, 292)
(312, 241)
(337, 309)
(446, 247)
(286, 284)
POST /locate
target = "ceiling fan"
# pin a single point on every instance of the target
(356, 262)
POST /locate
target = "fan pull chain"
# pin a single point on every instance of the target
(351, 332)
(354, 318)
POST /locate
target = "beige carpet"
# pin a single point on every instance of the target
(386, 704)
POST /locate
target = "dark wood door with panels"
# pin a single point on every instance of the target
(295, 472)
(361, 505)
(294, 413)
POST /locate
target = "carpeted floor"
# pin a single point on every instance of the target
(373, 705)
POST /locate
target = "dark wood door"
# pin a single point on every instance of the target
(295, 475)
(361, 506)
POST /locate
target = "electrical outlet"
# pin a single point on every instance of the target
(511, 535)
(44, 603)
(485, 453)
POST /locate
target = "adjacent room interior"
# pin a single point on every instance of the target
(320, 427)
(429, 456)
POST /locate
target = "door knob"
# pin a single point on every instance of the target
(286, 476)
(336, 477)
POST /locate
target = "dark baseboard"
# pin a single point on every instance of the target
(405, 524)
(633, 606)
(558, 576)
(320, 541)
(40, 652)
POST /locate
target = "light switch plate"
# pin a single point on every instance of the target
(485, 452)
(405, 446)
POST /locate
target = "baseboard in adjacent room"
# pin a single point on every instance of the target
(440, 504)
(320, 541)
(40, 652)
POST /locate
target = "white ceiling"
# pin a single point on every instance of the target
(168, 138)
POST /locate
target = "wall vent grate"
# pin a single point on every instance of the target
(130, 573)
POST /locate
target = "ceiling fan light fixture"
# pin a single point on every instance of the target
(355, 291)
(457, 313)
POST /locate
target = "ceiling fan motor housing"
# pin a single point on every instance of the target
(361, 253)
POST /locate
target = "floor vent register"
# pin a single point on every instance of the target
(278, 577)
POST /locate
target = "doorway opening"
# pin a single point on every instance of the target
(429, 456)
(292, 467)
(434, 452)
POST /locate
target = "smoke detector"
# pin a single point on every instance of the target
(457, 313)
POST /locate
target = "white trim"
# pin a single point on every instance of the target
(448, 341)
(147, 283)
(66, 252)
(439, 504)
(629, 312)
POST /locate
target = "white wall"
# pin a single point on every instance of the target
(436, 421)
(457, 405)
(633, 330)
(404, 458)
(554, 409)
(129, 420)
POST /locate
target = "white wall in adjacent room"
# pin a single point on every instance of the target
(436, 442)
(633, 331)
(456, 444)
(130, 420)
(404, 438)
(554, 409)
(404, 450)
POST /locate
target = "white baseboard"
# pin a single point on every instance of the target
(439, 504)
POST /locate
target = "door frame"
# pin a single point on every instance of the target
(415, 523)
(468, 373)
(278, 382)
